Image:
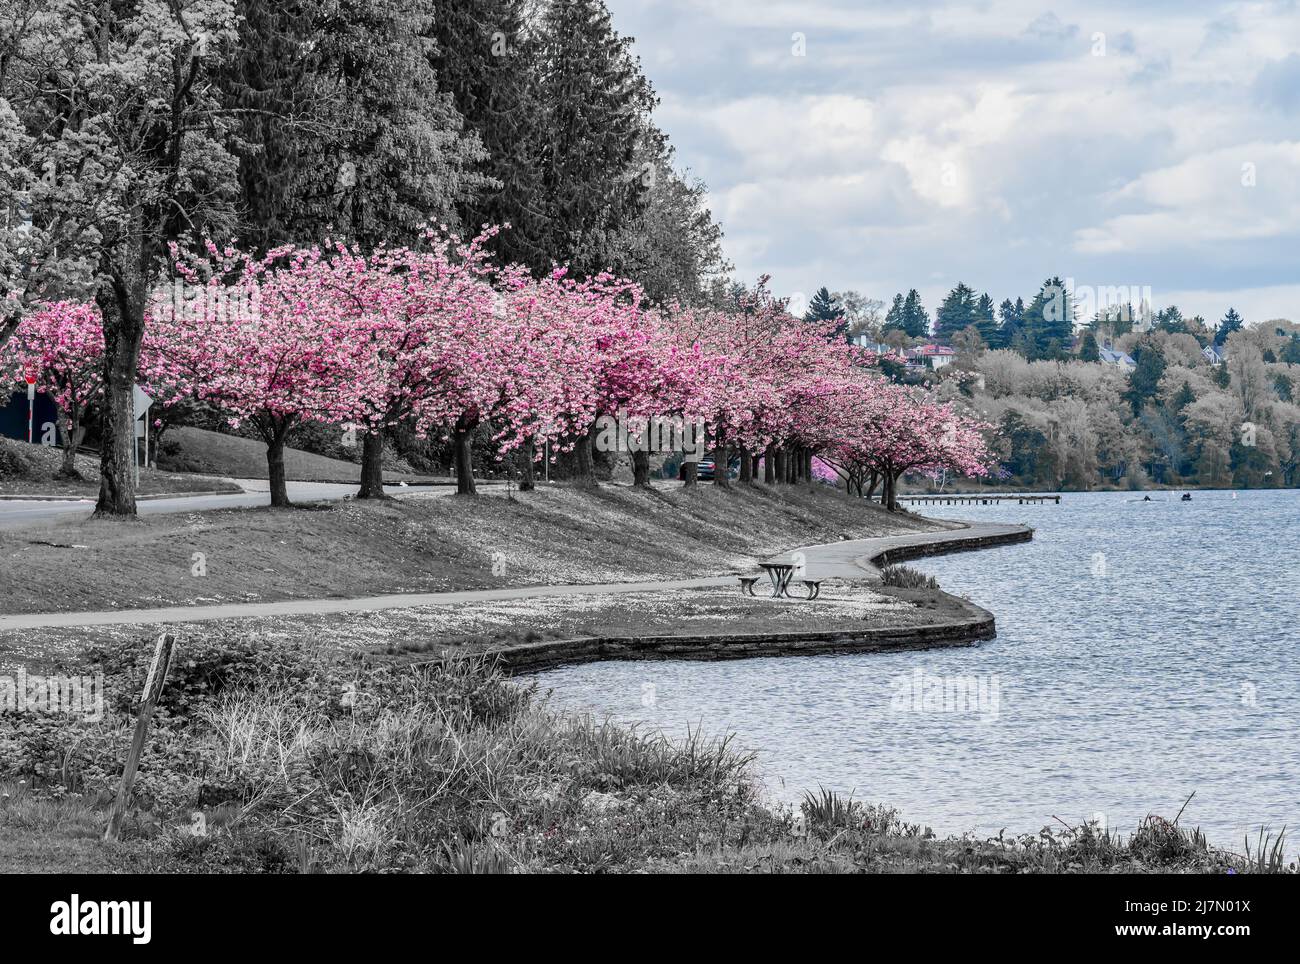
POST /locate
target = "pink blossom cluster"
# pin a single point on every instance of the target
(443, 338)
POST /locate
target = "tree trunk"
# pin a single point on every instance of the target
(275, 470)
(527, 474)
(778, 465)
(873, 480)
(746, 467)
(372, 466)
(71, 440)
(123, 317)
(722, 466)
(769, 465)
(807, 466)
(641, 469)
(464, 462)
(584, 462)
(889, 495)
(691, 473)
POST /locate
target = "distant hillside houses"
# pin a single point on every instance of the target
(930, 356)
(1116, 359)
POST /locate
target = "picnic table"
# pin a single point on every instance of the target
(780, 573)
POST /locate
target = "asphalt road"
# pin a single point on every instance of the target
(21, 514)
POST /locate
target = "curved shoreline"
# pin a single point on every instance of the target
(853, 560)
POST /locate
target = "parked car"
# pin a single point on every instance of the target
(706, 470)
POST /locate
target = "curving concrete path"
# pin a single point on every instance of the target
(858, 558)
(852, 559)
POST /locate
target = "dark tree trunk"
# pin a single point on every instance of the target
(463, 439)
(778, 465)
(527, 474)
(275, 471)
(873, 480)
(690, 473)
(746, 467)
(641, 469)
(123, 313)
(372, 466)
(889, 495)
(807, 466)
(71, 440)
(769, 465)
(584, 459)
(722, 466)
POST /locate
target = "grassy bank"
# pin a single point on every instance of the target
(281, 758)
(199, 450)
(426, 542)
(33, 470)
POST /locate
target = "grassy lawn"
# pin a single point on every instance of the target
(215, 453)
(41, 834)
(424, 543)
(30, 470)
(288, 757)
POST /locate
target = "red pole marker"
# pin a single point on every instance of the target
(31, 400)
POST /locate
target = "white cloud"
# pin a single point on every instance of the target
(1247, 192)
(921, 144)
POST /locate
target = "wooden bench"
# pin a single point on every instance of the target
(747, 584)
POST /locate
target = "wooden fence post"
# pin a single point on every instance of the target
(153, 684)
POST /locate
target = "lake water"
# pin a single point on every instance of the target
(1144, 651)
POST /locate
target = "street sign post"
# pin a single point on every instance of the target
(141, 403)
(30, 376)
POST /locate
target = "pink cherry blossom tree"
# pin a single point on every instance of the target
(63, 343)
(266, 340)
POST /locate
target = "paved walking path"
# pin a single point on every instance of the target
(849, 559)
(28, 513)
(852, 558)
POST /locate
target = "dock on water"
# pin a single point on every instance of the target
(969, 499)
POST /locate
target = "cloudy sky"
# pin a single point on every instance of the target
(881, 146)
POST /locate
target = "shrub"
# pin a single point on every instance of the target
(905, 577)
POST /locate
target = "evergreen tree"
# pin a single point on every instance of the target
(1012, 318)
(1171, 320)
(1048, 322)
(894, 320)
(1144, 382)
(594, 101)
(985, 321)
(823, 308)
(1089, 351)
(1231, 322)
(955, 313)
(916, 320)
(486, 59)
(1291, 350)
(671, 246)
(343, 128)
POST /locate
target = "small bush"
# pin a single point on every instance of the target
(905, 577)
